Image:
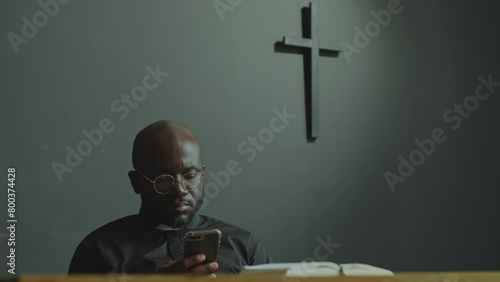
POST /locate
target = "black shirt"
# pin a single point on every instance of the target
(133, 244)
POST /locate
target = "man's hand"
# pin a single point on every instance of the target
(192, 264)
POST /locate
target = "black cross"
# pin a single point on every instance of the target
(310, 48)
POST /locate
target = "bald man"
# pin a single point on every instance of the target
(168, 174)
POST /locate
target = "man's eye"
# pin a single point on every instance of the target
(190, 175)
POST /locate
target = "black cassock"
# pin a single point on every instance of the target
(135, 244)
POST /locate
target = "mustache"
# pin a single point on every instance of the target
(190, 202)
(183, 201)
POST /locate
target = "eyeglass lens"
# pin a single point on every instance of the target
(166, 183)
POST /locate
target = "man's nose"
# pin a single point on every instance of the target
(179, 189)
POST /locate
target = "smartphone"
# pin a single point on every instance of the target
(205, 242)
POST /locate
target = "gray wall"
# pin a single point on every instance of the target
(225, 80)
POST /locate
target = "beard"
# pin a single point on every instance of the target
(181, 220)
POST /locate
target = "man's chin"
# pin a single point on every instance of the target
(180, 220)
(177, 219)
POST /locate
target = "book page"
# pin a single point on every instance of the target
(360, 269)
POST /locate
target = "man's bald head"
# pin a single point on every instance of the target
(168, 148)
(156, 135)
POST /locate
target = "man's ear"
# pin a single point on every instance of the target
(135, 181)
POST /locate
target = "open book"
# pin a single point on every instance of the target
(316, 269)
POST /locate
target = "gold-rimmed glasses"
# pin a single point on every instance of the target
(165, 183)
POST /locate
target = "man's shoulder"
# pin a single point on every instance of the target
(119, 226)
(237, 244)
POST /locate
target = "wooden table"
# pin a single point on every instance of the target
(399, 277)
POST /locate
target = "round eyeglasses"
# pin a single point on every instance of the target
(165, 183)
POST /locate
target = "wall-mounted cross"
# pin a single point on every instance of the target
(310, 48)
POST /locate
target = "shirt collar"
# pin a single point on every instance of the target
(164, 227)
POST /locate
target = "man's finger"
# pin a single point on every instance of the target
(207, 268)
(182, 265)
(193, 260)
